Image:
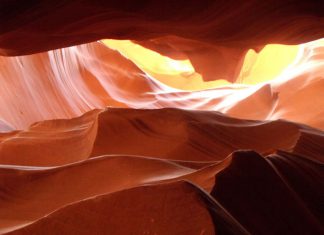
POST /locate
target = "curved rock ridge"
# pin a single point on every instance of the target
(40, 87)
(161, 117)
(160, 133)
(161, 165)
(124, 211)
(46, 142)
(219, 33)
(214, 22)
(67, 197)
(268, 194)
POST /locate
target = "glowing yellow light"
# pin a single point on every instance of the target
(178, 74)
(257, 67)
(268, 64)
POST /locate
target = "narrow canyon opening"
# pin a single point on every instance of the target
(161, 117)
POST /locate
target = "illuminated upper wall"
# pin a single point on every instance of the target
(257, 68)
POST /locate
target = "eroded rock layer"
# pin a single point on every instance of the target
(68, 82)
(135, 165)
(161, 117)
(219, 31)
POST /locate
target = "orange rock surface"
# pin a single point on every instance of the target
(161, 117)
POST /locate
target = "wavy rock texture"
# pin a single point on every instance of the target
(213, 24)
(207, 21)
(102, 77)
(138, 159)
(94, 142)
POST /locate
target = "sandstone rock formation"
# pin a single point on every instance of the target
(161, 117)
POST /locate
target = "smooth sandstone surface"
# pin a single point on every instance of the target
(152, 150)
(161, 117)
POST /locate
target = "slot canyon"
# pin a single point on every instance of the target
(151, 117)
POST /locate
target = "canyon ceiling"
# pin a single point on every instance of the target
(161, 117)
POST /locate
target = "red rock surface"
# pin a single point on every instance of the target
(221, 30)
(40, 86)
(92, 143)
(142, 152)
